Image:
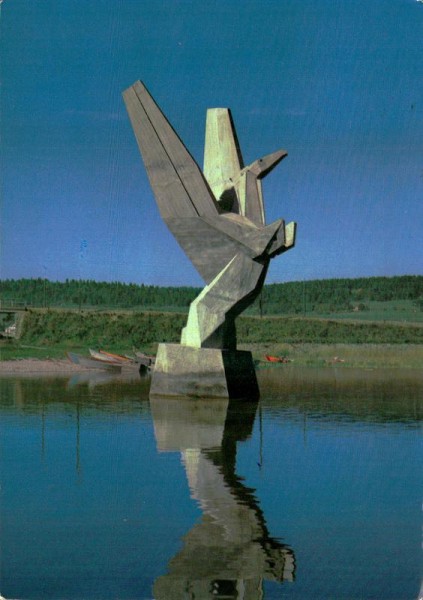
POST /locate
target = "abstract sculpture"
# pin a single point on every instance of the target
(217, 217)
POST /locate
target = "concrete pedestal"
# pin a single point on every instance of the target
(203, 372)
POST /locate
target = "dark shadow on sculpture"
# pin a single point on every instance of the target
(229, 552)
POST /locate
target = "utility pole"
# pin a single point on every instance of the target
(45, 286)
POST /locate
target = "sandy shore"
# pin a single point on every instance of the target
(384, 356)
(39, 367)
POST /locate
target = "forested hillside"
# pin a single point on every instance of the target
(74, 293)
(300, 297)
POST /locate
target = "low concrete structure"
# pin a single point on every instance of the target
(188, 371)
(218, 219)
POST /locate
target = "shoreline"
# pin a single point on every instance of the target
(39, 367)
(42, 366)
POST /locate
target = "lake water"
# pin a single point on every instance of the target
(314, 492)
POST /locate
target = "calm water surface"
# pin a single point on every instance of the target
(314, 492)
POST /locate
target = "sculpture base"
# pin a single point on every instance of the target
(203, 372)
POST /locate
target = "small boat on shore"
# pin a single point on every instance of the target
(107, 358)
(100, 359)
(92, 363)
(118, 357)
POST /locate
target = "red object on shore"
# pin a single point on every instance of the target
(277, 359)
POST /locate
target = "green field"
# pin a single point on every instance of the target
(397, 311)
(317, 341)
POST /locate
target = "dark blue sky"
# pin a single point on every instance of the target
(337, 83)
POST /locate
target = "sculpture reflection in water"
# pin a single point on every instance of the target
(229, 552)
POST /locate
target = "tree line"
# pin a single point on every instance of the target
(298, 297)
(335, 295)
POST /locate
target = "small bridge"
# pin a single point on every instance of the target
(11, 318)
(12, 305)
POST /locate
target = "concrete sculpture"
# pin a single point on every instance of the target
(218, 219)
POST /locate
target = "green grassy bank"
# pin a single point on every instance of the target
(46, 332)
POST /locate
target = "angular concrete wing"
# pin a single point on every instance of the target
(178, 183)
